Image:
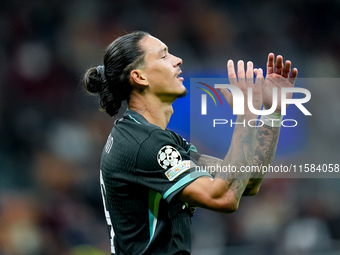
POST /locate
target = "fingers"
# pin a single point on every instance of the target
(270, 63)
(259, 77)
(279, 65)
(250, 71)
(231, 70)
(280, 68)
(241, 73)
(286, 69)
(293, 76)
(240, 69)
(258, 72)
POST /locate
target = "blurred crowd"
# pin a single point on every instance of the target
(52, 134)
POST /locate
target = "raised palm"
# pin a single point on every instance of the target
(244, 80)
(278, 76)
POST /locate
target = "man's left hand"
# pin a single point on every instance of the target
(278, 76)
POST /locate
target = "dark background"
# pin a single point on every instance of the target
(52, 134)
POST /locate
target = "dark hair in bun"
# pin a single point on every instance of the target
(112, 80)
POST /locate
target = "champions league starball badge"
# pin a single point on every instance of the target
(168, 156)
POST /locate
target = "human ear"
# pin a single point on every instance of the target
(138, 77)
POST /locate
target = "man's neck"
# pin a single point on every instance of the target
(153, 109)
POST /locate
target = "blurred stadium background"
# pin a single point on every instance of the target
(52, 134)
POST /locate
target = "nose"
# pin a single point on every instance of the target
(177, 61)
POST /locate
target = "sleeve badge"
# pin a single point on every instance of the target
(168, 156)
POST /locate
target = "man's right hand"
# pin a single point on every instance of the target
(245, 80)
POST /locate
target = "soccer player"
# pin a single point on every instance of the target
(148, 180)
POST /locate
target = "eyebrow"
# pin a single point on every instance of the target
(165, 49)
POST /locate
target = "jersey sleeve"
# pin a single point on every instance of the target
(166, 163)
(187, 146)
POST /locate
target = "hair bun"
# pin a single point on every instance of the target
(101, 72)
(94, 79)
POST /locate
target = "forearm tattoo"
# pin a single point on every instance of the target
(266, 144)
(265, 148)
(210, 164)
(249, 147)
(241, 153)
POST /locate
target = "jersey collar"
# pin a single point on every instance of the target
(138, 118)
(135, 116)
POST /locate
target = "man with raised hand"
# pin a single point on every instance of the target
(148, 179)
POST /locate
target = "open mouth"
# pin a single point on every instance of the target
(179, 77)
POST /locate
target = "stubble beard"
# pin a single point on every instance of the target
(185, 92)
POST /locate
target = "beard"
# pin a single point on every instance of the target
(185, 92)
